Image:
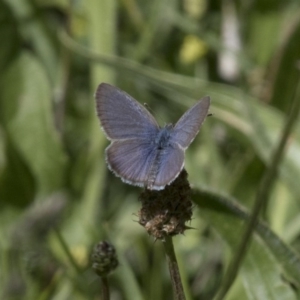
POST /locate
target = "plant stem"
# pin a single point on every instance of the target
(174, 270)
(262, 196)
(105, 288)
(66, 249)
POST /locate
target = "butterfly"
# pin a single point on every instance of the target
(141, 152)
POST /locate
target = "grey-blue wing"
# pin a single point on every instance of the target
(121, 116)
(166, 168)
(131, 160)
(189, 124)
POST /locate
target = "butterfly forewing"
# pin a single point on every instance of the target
(121, 116)
(189, 124)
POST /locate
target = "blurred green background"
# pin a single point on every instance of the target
(57, 197)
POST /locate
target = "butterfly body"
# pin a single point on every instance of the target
(141, 152)
(162, 139)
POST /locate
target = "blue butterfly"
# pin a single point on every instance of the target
(141, 152)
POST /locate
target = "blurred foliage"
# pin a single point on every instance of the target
(57, 197)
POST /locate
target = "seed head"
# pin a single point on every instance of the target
(104, 258)
(165, 212)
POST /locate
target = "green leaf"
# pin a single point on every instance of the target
(9, 36)
(286, 67)
(130, 285)
(26, 112)
(268, 257)
(17, 185)
(262, 125)
(262, 25)
(36, 34)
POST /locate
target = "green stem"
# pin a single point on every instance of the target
(105, 288)
(174, 270)
(66, 250)
(262, 196)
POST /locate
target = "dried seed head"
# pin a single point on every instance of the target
(104, 258)
(165, 212)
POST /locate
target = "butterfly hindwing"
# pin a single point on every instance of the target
(131, 160)
(170, 163)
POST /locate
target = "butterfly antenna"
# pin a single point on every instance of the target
(153, 113)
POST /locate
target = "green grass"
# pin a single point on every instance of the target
(57, 197)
